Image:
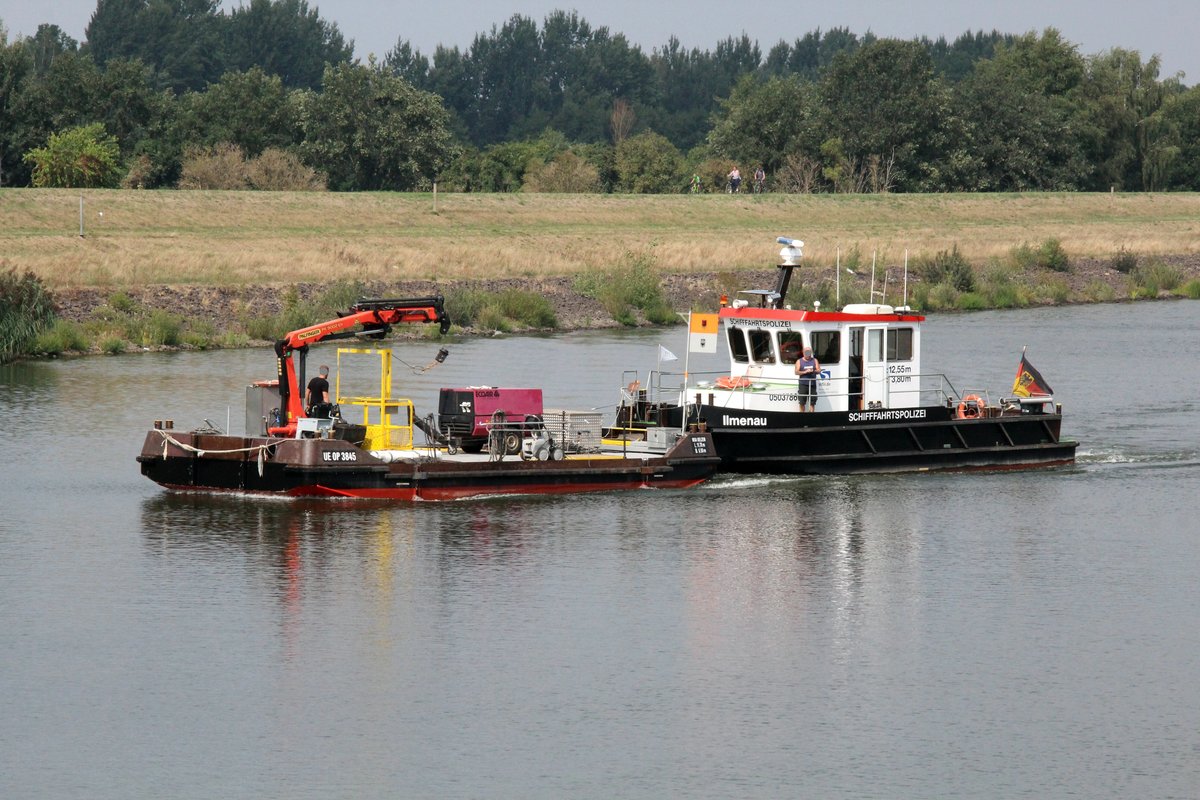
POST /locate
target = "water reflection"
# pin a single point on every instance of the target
(772, 545)
(28, 385)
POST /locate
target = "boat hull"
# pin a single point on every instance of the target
(336, 468)
(889, 440)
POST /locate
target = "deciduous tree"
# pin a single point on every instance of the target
(285, 38)
(84, 157)
(649, 164)
(180, 39)
(370, 130)
(763, 122)
(885, 101)
(251, 109)
(1019, 111)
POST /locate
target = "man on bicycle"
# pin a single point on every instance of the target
(760, 180)
(735, 180)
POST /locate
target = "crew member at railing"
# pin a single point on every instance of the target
(808, 368)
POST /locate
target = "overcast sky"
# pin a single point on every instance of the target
(1164, 27)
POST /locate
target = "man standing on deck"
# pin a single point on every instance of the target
(316, 398)
(808, 368)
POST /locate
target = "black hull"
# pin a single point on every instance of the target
(898, 440)
(334, 468)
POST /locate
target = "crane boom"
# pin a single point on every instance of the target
(366, 318)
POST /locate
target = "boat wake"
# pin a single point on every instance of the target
(1109, 458)
(725, 483)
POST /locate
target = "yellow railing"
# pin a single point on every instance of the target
(389, 420)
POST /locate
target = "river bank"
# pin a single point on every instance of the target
(142, 270)
(224, 309)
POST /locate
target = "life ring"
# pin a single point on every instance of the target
(971, 407)
(729, 382)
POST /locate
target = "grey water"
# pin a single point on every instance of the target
(1027, 634)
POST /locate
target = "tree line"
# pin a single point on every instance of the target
(178, 93)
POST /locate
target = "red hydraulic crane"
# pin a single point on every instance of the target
(370, 319)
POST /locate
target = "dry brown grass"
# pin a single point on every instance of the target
(229, 238)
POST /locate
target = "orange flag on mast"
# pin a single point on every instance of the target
(702, 333)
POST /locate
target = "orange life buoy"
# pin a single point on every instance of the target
(970, 407)
(728, 382)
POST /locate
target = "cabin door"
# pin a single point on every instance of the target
(874, 360)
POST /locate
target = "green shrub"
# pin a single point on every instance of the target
(1054, 291)
(1023, 256)
(500, 311)
(938, 297)
(463, 305)
(1004, 295)
(492, 318)
(122, 303)
(334, 300)
(234, 339)
(26, 309)
(804, 295)
(277, 170)
(222, 166)
(1000, 289)
(1051, 255)
(1048, 255)
(161, 328)
(297, 313)
(259, 328)
(662, 315)
(971, 301)
(1099, 292)
(1125, 261)
(113, 346)
(62, 337)
(649, 164)
(1156, 277)
(566, 173)
(854, 258)
(77, 158)
(630, 286)
(196, 339)
(1192, 289)
(123, 319)
(529, 308)
(950, 267)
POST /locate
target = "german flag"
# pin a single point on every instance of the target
(1029, 381)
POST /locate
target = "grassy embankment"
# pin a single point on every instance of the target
(1009, 247)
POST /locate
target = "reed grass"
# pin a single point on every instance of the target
(63, 336)
(1155, 277)
(229, 238)
(26, 310)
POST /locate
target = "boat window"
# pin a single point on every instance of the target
(791, 346)
(875, 345)
(760, 346)
(856, 342)
(737, 346)
(827, 346)
(900, 344)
